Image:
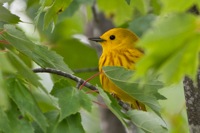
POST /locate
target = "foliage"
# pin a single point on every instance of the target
(169, 37)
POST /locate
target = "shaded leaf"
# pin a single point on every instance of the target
(147, 122)
(4, 99)
(71, 124)
(71, 100)
(18, 123)
(19, 93)
(53, 121)
(7, 17)
(40, 54)
(23, 70)
(128, 2)
(113, 106)
(45, 101)
(4, 122)
(142, 24)
(145, 93)
(6, 64)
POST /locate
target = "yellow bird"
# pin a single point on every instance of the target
(119, 50)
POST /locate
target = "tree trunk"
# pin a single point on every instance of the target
(192, 97)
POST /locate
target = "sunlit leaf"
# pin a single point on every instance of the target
(140, 5)
(52, 9)
(176, 6)
(71, 100)
(40, 54)
(116, 9)
(156, 6)
(169, 46)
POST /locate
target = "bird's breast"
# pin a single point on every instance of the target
(125, 58)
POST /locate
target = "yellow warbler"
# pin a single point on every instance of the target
(118, 50)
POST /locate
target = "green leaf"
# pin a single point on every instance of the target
(7, 17)
(140, 5)
(179, 61)
(156, 6)
(5, 64)
(173, 41)
(53, 121)
(71, 59)
(45, 101)
(52, 12)
(176, 6)
(128, 2)
(66, 50)
(4, 122)
(52, 9)
(23, 70)
(113, 106)
(73, 7)
(24, 100)
(147, 122)
(116, 9)
(71, 124)
(40, 54)
(4, 99)
(142, 24)
(71, 100)
(145, 93)
(18, 123)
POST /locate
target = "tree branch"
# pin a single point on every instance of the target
(78, 80)
(64, 74)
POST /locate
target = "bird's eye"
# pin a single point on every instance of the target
(112, 37)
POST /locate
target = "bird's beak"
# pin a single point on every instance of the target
(96, 39)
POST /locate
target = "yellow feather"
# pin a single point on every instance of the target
(119, 50)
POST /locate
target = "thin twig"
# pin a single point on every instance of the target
(93, 76)
(64, 74)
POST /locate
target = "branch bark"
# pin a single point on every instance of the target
(67, 75)
(192, 97)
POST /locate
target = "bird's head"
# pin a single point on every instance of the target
(116, 38)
